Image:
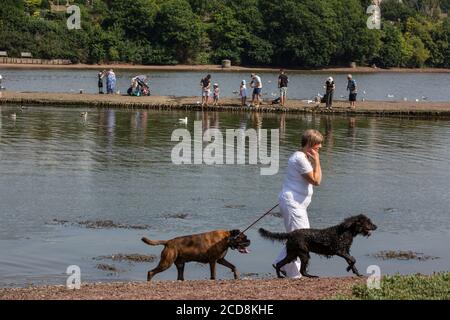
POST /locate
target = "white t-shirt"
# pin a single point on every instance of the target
(294, 182)
(257, 82)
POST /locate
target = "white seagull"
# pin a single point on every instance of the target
(183, 121)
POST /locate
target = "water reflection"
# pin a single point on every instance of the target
(282, 127)
(351, 133)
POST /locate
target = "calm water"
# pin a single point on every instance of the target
(432, 86)
(116, 166)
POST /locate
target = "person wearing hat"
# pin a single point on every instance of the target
(216, 92)
(330, 87)
(352, 88)
(243, 92)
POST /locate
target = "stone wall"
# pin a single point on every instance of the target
(8, 60)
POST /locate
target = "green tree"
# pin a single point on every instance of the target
(135, 18)
(358, 43)
(441, 39)
(303, 33)
(179, 30)
(419, 53)
(227, 36)
(394, 10)
(419, 36)
(32, 5)
(393, 43)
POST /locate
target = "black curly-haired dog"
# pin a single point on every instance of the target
(335, 240)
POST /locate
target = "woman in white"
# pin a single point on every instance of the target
(303, 172)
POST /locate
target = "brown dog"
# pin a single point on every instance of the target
(208, 247)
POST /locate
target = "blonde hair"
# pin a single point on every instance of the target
(311, 137)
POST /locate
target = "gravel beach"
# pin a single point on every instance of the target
(261, 289)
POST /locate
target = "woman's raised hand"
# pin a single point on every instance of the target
(314, 155)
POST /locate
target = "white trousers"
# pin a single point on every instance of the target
(295, 217)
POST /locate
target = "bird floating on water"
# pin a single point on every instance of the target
(13, 116)
(183, 121)
(390, 96)
(405, 99)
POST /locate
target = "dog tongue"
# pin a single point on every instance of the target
(244, 250)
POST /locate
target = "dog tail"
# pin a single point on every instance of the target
(153, 242)
(272, 235)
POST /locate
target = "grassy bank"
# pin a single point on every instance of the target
(410, 287)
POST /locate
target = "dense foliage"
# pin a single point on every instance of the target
(292, 33)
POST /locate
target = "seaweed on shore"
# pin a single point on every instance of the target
(402, 255)
(109, 268)
(99, 224)
(176, 215)
(235, 206)
(132, 257)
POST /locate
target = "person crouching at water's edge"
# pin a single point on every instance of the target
(303, 172)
